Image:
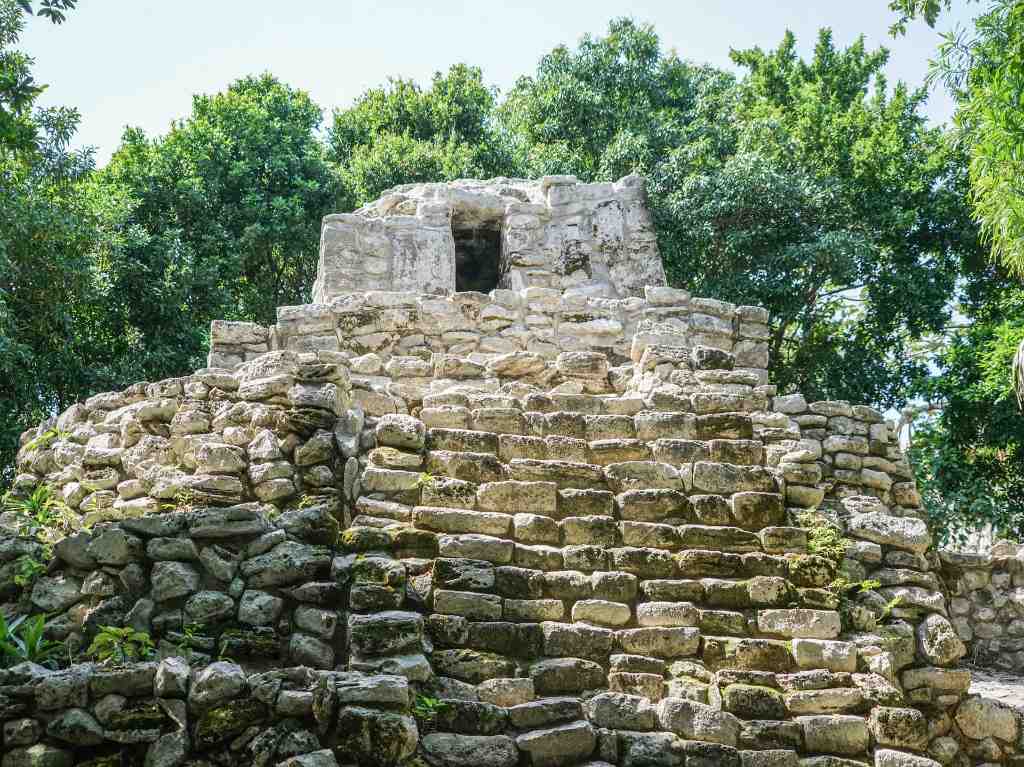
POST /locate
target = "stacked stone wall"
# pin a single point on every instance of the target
(553, 525)
(540, 321)
(986, 603)
(550, 561)
(554, 233)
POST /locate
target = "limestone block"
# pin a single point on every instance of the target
(802, 623)
(401, 431)
(980, 718)
(906, 533)
(831, 655)
(841, 735)
(696, 721)
(938, 642)
(887, 757)
(601, 612)
(899, 727)
(563, 745)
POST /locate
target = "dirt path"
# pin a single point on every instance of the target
(1003, 686)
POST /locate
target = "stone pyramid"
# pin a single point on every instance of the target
(566, 521)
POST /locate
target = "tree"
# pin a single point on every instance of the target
(615, 105)
(983, 69)
(807, 187)
(51, 9)
(232, 198)
(18, 88)
(402, 134)
(57, 344)
(865, 267)
(969, 452)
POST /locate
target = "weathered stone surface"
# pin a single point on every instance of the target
(938, 642)
(56, 594)
(981, 718)
(902, 532)
(899, 727)
(173, 579)
(842, 735)
(803, 623)
(451, 750)
(379, 738)
(887, 757)
(216, 684)
(697, 721)
(39, 755)
(563, 745)
(401, 431)
(818, 653)
(618, 711)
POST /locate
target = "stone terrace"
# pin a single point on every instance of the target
(543, 526)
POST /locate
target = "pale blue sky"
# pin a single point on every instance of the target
(138, 62)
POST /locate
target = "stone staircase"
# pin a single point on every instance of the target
(620, 552)
(612, 578)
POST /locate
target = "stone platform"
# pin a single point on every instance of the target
(534, 527)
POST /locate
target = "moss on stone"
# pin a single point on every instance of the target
(256, 642)
(139, 717)
(225, 722)
(359, 539)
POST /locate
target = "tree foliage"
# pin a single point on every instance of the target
(808, 187)
(232, 197)
(401, 134)
(983, 69)
(616, 105)
(969, 454)
(18, 88)
(57, 232)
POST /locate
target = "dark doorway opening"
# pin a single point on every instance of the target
(477, 258)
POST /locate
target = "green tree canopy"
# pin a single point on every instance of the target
(809, 187)
(969, 452)
(401, 134)
(617, 104)
(983, 68)
(233, 196)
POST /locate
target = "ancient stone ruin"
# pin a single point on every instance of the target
(568, 521)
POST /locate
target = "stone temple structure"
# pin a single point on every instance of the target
(596, 239)
(498, 497)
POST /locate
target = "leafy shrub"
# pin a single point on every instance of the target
(29, 568)
(426, 708)
(41, 515)
(23, 639)
(120, 645)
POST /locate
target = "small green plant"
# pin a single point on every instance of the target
(191, 630)
(426, 479)
(426, 708)
(891, 605)
(868, 585)
(42, 515)
(24, 639)
(120, 645)
(306, 501)
(28, 569)
(44, 440)
(184, 501)
(823, 538)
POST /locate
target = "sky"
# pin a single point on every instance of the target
(138, 62)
